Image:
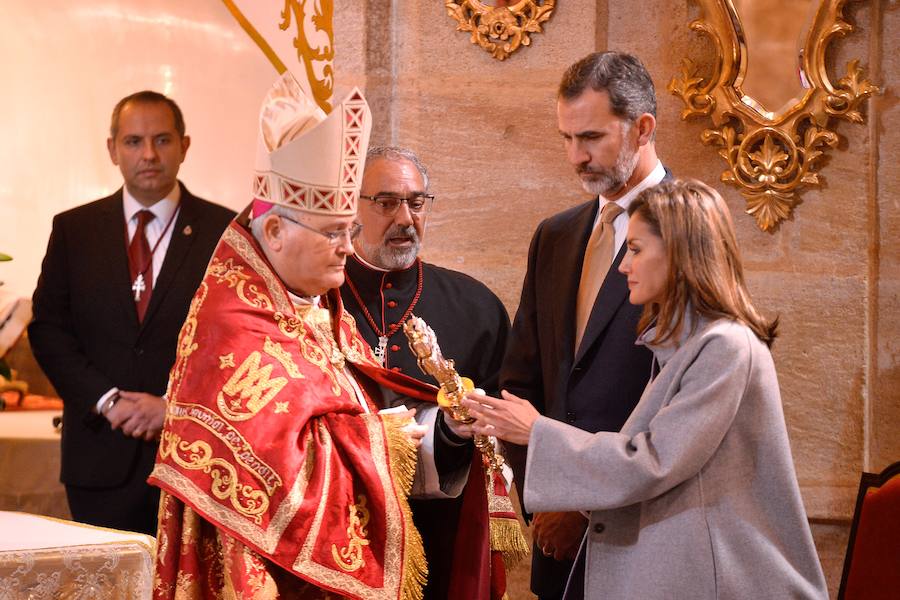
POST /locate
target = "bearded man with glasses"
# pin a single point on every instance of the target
(386, 282)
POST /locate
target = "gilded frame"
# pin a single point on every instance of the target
(500, 29)
(770, 157)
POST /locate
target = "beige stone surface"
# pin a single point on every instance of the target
(885, 211)
(831, 542)
(487, 129)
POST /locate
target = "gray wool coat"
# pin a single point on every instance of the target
(696, 497)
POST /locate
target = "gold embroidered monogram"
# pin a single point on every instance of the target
(350, 558)
(249, 388)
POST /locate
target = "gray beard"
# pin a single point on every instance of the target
(610, 181)
(383, 256)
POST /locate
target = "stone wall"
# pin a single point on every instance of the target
(488, 131)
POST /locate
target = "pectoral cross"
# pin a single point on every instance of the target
(380, 349)
(138, 286)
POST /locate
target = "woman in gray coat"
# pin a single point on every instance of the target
(696, 497)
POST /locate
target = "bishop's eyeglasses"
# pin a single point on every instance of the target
(334, 237)
(387, 205)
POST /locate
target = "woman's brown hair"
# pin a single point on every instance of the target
(705, 269)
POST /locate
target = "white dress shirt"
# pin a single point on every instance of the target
(620, 224)
(163, 211)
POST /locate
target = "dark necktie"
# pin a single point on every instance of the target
(140, 263)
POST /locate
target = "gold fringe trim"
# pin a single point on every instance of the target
(402, 452)
(403, 456)
(506, 536)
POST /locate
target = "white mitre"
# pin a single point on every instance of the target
(308, 160)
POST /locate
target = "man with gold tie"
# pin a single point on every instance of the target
(280, 477)
(571, 351)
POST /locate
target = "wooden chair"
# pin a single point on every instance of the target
(872, 563)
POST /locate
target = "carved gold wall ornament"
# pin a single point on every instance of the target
(771, 155)
(500, 29)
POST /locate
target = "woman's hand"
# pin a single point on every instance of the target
(509, 419)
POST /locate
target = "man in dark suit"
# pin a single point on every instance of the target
(114, 290)
(571, 351)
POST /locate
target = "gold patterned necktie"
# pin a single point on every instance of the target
(598, 256)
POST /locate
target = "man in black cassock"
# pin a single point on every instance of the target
(385, 283)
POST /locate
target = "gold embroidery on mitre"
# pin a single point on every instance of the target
(276, 351)
(249, 389)
(234, 276)
(250, 502)
(351, 558)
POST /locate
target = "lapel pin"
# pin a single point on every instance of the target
(187, 230)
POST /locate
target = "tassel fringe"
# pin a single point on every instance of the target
(403, 455)
(506, 537)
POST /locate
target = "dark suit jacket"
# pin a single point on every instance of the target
(594, 390)
(85, 333)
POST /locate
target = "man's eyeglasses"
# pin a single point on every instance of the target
(387, 205)
(334, 237)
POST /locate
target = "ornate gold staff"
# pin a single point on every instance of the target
(423, 344)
